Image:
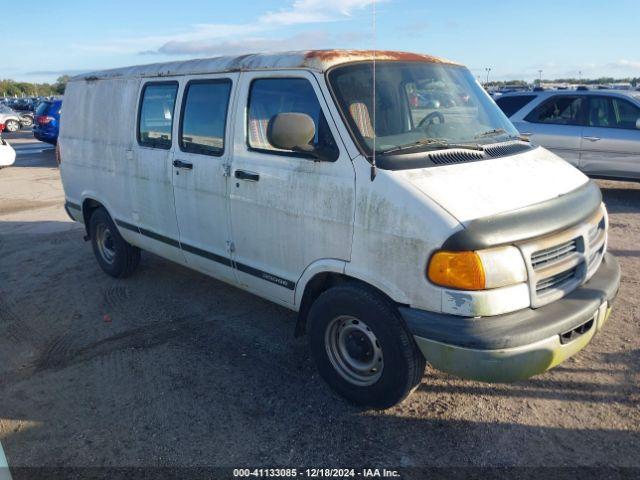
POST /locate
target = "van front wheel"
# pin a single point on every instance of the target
(115, 256)
(362, 348)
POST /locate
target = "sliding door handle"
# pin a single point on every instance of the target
(592, 139)
(244, 175)
(184, 165)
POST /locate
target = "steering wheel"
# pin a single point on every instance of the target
(430, 118)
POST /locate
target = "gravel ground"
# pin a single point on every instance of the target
(172, 368)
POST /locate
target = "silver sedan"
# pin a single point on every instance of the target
(598, 131)
(10, 119)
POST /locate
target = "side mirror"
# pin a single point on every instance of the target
(291, 131)
(295, 131)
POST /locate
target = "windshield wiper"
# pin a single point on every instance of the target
(490, 133)
(431, 142)
(495, 131)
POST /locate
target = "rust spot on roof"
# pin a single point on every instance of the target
(343, 56)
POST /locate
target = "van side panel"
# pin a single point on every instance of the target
(95, 136)
(101, 160)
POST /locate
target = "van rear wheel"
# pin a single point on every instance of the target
(115, 256)
(362, 348)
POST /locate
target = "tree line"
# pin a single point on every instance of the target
(11, 88)
(635, 81)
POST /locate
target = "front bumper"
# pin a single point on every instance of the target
(518, 345)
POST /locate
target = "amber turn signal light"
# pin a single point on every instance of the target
(460, 270)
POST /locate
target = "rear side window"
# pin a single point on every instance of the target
(625, 114)
(271, 96)
(43, 108)
(510, 105)
(155, 122)
(558, 110)
(204, 116)
(611, 112)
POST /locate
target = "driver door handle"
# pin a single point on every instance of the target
(245, 175)
(184, 165)
(592, 139)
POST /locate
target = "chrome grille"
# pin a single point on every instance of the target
(559, 263)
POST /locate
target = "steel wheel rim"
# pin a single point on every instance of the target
(104, 241)
(354, 350)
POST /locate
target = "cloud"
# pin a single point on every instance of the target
(245, 45)
(314, 11)
(198, 32)
(259, 35)
(627, 64)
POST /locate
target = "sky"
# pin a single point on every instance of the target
(43, 40)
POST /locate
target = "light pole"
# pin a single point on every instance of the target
(540, 82)
(488, 70)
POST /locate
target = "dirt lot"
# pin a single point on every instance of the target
(172, 368)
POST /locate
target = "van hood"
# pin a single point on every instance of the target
(489, 187)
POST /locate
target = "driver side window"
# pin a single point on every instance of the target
(269, 97)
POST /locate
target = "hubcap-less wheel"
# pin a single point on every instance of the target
(104, 241)
(354, 350)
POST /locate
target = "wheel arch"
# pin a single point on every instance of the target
(89, 205)
(325, 274)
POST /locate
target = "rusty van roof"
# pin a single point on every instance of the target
(318, 60)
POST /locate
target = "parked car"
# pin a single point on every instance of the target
(396, 240)
(7, 153)
(47, 121)
(10, 119)
(24, 105)
(598, 131)
(26, 119)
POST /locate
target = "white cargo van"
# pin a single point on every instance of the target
(404, 220)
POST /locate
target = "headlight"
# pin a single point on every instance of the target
(479, 270)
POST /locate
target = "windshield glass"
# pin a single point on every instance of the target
(418, 106)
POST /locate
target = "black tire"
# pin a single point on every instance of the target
(115, 256)
(402, 362)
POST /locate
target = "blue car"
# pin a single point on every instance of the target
(47, 121)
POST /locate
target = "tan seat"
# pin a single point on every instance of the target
(360, 114)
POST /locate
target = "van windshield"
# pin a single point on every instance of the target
(418, 106)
